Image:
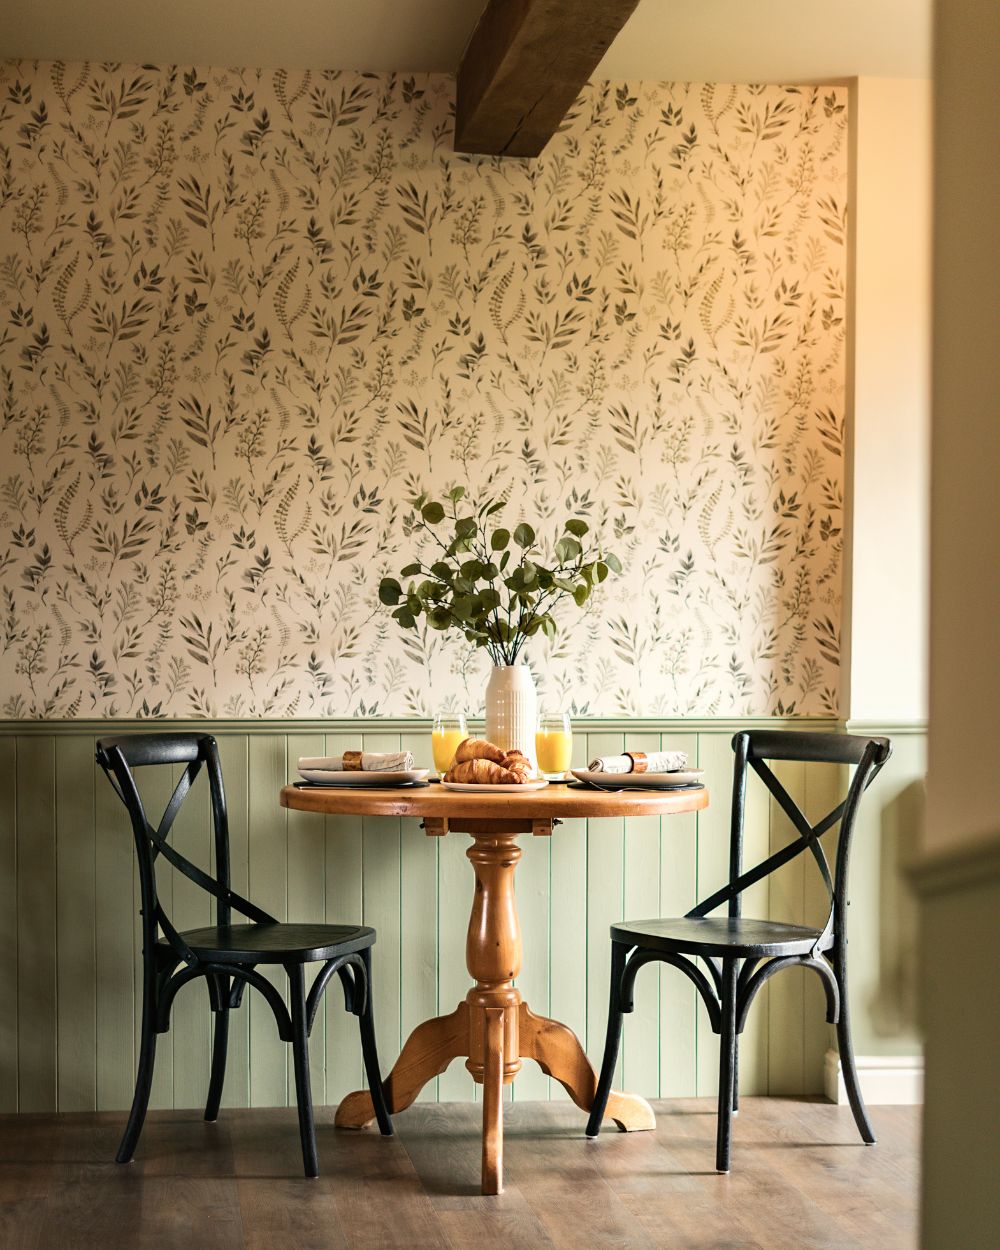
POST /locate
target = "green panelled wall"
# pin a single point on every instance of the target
(69, 940)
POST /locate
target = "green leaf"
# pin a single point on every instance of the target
(433, 513)
(577, 527)
(464, 607)
(442, 571)
(524, 535)
(613, 563)
(567, 549)
(389, 591)
(405, 618)
(494, 507)
(439, 618)
(504, 560)
(601, 570)
(581, 593)
(411, 570)
(466, 526)
(499, 540)
(456, 493)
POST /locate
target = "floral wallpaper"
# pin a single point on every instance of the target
(246, 316)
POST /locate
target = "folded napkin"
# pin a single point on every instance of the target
(360, 761)
(640, 762)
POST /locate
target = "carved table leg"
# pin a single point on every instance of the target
(428, 1051)
(557, 1051)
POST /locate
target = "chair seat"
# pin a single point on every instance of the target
(275, 943)
(719, 935)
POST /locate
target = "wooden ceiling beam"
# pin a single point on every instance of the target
(524, 66)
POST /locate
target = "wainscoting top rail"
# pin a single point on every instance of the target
(415, 724)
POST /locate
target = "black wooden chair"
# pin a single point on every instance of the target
(741, 954)
(227, 955)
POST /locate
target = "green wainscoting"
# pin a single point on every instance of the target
(69, 938)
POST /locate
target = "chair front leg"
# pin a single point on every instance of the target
(619, 954)
(300, 1057)
(220, 1046)
(369, 1051)
(144, 1074)
(727, 1066)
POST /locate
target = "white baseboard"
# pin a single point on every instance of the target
(897, 1079)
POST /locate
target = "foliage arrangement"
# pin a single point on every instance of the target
(491, 584)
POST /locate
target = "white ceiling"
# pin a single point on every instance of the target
(679, 40)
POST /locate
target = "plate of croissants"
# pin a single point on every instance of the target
(481, 765)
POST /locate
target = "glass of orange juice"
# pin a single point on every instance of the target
(554, 745)
(449, 730)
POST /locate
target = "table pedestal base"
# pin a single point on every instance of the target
(493, 1029)
(504, 1038)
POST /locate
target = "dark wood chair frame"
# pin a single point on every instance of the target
(344, 950)
(740, 962)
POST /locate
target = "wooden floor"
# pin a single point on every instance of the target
(801, 1181)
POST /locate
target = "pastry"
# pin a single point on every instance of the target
(478, 749)
(518, 762)
(482, 772)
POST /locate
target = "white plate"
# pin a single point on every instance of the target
(646, 781)
(476, 786)
(323, 777)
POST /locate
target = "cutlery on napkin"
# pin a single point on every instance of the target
(640, 762)
(360, 761)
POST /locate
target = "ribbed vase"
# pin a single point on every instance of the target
(512, 709)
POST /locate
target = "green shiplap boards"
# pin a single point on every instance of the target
(69, 934)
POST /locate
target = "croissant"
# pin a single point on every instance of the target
(482, 772)
(478, 749)
(518, 762)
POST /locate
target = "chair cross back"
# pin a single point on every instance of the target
(112, 759)
(751, 750)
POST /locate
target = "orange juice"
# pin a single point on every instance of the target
(554, 748)
(445, 744)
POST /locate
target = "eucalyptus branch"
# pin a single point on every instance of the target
(502, 594)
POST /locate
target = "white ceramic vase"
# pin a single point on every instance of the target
(512, 709)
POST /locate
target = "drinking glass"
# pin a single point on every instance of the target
(449, 730)
(554, 745)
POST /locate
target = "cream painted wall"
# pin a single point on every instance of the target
(965, 498)
(885, 580)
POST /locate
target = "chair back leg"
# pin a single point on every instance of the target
(846, 1048)
(727, 1067)
(619, 954)
(369, 1052)
(143, 1081)
(300, 1058)
(220, 1046)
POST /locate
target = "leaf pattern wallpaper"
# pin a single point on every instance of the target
(246, 316)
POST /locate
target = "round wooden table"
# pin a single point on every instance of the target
(493, 1029)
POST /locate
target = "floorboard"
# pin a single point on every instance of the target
(801, 1178)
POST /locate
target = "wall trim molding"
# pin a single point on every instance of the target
(885, 1079)
(886, 727)
(402, 724)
